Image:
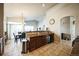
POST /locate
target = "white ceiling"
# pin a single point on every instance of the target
(28, 10)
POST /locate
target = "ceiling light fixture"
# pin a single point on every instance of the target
(43, 5)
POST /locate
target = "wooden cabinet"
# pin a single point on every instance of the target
(36, 42)
(1, 28)
(32, 45)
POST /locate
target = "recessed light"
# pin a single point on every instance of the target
(43, 5)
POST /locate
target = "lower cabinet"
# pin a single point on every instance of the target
(37, 42)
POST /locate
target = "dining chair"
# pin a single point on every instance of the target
(16, 37)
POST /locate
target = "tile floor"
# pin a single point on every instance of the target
(54, 49)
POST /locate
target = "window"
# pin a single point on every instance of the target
(29, 28)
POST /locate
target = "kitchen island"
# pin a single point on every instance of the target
(36, 39)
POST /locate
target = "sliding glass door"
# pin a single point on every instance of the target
(14, 28)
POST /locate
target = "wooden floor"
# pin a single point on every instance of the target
(62, 48)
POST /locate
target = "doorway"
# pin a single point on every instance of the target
(67, 28)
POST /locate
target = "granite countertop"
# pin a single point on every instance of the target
(41, 33)
(36, 31)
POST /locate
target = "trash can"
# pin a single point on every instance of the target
(48, 39)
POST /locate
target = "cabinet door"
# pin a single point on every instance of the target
(38, 41)
(43, 40)
(32, 44)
